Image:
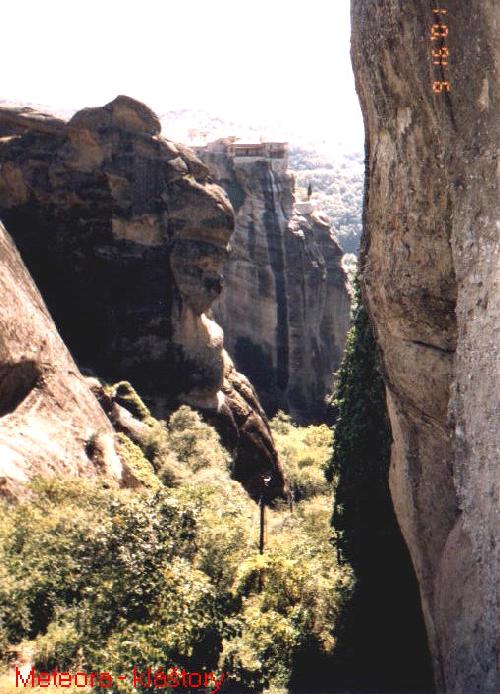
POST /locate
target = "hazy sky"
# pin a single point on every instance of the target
(263, 60)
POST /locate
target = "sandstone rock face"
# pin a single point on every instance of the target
(285, 310)
(125, 235)
(430, 280)
(48, 415)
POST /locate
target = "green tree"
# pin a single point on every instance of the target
(381, 636)
(361, 444)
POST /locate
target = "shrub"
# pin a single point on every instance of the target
(126, 396)
(170, 471)
(138, 465)
(174, 450)
(58, 648)
(195, 443)
(227, 527)
(155, 444)
(382, 639)
(360, 456)
(291, 596)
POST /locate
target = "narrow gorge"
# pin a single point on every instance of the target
(222, 459)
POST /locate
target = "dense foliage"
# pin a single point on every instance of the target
(382, 641)
(99, 578)
(305, 452)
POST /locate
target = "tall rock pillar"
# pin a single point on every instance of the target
(430, 282)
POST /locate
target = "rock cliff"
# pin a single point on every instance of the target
(285, 311)
(125, 234)
(48, 414)
(430, 281)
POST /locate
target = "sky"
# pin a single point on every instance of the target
(264, 61)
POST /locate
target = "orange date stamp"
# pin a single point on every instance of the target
(439, 50)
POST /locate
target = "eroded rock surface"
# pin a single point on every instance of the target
(285, 310)
(125, 234)
(430, 281)
(48, 414)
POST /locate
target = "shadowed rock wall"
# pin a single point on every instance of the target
(48, 414)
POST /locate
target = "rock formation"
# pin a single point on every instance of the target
(285, 311)
(48, 414)
(430, 281)
(125, 235)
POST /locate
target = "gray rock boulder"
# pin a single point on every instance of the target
(125, 234)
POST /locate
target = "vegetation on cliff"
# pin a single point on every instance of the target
(97, 578)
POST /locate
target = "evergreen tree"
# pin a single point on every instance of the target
(360, 457)
(381, 642)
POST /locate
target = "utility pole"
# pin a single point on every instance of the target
(265, 479)
(262, 509)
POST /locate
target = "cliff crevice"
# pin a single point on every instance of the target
(48, 414)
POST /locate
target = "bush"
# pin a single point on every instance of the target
(195, 443)
(155, 444)
(126, 396)
(137, 464)
(290, 597)
(360, 456)
(382, 636)
(170, 471)
(58, 648)
(174, 450)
